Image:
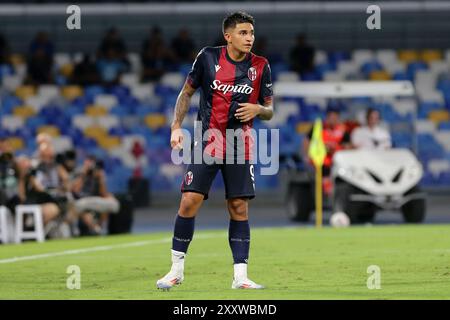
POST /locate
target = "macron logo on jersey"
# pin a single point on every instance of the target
(225, 88)
(217, 67)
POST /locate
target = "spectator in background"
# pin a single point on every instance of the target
(183, 47)
(372, 135)
(85, 72)
(4, 50)
(113, 41)
(110, 66)
(94, 202)
(335, 137)
(154, 56)
(40, 60)
(302, 56)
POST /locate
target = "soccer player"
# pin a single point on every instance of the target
(235, 87)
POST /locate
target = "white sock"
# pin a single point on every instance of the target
(178, 261)
(240, 271)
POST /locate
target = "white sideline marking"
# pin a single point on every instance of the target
(98, 248)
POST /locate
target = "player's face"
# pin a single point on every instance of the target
(241, 37)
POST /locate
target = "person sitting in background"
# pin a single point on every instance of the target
(113, 41)
(110, 66)
(302, 56)
(49, 184)
(85, 72)
(9, 178)
(93, 201)
(154, 56)
(335, 137)
(40, 60)
(183, 47)
(372, 135)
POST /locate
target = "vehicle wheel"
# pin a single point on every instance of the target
(414, 210)
(358, 212)
(299, 202)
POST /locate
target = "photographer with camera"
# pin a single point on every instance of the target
(94, 202)
(9, 178)
(49, 185)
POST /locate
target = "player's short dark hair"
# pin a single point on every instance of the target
(234, 18)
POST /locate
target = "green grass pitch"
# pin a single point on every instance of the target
(293, 263)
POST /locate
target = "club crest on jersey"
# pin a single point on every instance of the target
(188, 178)
(251, 74)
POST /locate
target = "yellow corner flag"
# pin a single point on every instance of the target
(317, 152)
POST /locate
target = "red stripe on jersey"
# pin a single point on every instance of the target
(220, 106)
(258, 64)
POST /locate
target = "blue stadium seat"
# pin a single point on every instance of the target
(93, 90)
(413, 67)
(370, 66)
(9, 102)
(444, 125)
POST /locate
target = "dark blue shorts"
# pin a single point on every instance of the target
(239, 179)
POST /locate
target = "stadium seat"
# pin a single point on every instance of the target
(155, 121)
(108, 142)
(16, 143)
(143, 91)
(437, 166)
(95, 132)
(438, 116)
(173, 80)
(379, 75)
(425, 126)
(304, 127)
(96, 111)
(24, 111)
(71, 92)
(24, 92)
(288, 76)
(11, 122)
(408, 55)
(106, 100)
(50, 130)
(430, 55)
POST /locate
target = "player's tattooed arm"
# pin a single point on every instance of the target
(266, 111)
(181, 108)
(182, 105)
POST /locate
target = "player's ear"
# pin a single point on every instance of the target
(227, 36)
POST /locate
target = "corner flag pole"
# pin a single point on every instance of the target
(319, 218)
(317, 152)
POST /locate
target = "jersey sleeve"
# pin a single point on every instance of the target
(195, 76)
(266, 92)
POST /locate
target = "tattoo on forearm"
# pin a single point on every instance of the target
(267, 111)
(181, 107)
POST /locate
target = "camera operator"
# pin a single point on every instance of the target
(9, 178)
(49, 187)
(94, 201)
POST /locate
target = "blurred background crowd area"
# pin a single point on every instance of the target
(109, 89)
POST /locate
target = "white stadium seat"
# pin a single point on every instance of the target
(288, 76)
(425, 126)
(173, 79)
(62, 143)
(436, 166)
(82, 121)
(106, 100)
(12, 122)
